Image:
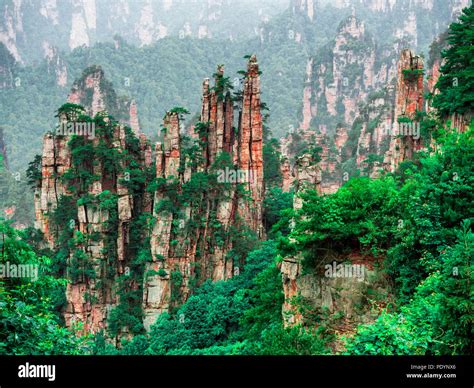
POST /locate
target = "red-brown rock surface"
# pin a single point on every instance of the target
(191, 248)
(183, 242)
(408, 101)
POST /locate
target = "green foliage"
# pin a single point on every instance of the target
(271, 161)
(362, 215)
(71, 111)
(456, 83)
(280, 341)
(420, 220)
(274, 203)
(439, 318)
(392, 334)
(33, 173)
(411, 75)
(29, 325)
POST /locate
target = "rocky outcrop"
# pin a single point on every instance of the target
(307, 176)
(94, 92)
(342, 75)
(3, 151)
(250, 148)
(97, 259)
(343, 288)
(89, 91)
(7, 62)
(56, 65)
(371, 143)
(307, 91)
(133, 122)
(193, 224)
(338, 80)
(191, 253)
(340, 284)
(55, 161)
(371, 130)
(70, 24)
(405, 130)
(287, 177)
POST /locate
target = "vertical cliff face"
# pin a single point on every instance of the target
(69, 24)
(370, 133)
(84, 203)
(310, 290)
(250, 151)
(408, 102)
(338, 79)
(56, 65)
(381, 131)
(89, 91)
(307, 176)
(3, 151)
(287, 176)
(94, 92)
(193, 242)
(55, 161)
(387, 127)
(342, 73)
(134, 124)
(308, 110)
(7, 62)
(121, 231)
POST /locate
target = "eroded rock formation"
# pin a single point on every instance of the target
(3, 151)
(307, 176)
(307, 291)
(204, 196)
(194, 253)
(408, 102)
(56, 64)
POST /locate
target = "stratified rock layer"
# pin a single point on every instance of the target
(194, 253)
(189, 243)
(408, 101)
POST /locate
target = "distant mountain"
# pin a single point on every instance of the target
(30, 28)
(159, 71)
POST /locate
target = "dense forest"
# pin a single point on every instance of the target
(417, 222)
(161, 74)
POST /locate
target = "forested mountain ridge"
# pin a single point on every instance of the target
(70, 24)
(153, 251)
(161, 74)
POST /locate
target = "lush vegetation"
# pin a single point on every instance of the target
(30, 321)
(420, 221)
(456, 83)
(416, 223)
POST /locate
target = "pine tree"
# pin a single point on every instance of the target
(456, 83)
